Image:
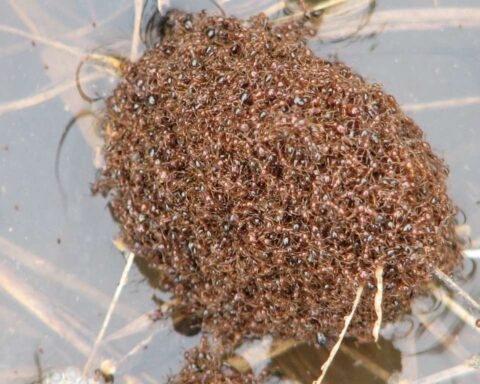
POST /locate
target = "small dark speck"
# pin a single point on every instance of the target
(6, 148)
(94, 24)
(59, 240)
(16, 207)
(33, 43)
(46, 67)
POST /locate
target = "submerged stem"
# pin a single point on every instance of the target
(455, 287)
(108, 316)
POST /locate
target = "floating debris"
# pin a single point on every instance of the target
(70, 375)
(271, 184)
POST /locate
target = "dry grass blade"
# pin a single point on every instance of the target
(108, 316)
(337, 345)
(468, 367)
(141, 346)
(368, 364)
(282, 346)
(38, 306)
(456, 308)
(41, 39)
(457, 289)
(136, 30)
(378, 302)
(440, 104)
(52, 273)
(23, 16)
(350, 8)
(279, 347)
(472, 253)
(403, 20)
(84, 331)
(112, 61)
(138, 325)
(442, 336)
(46, 95)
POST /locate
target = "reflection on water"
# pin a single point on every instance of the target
(58, 266)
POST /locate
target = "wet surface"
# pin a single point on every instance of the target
(58, 265)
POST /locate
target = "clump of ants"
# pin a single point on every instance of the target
(271, 186)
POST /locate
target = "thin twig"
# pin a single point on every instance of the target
(378, 302)
(108, 316)
(440, 104)
(336, 347)
(455, 287)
